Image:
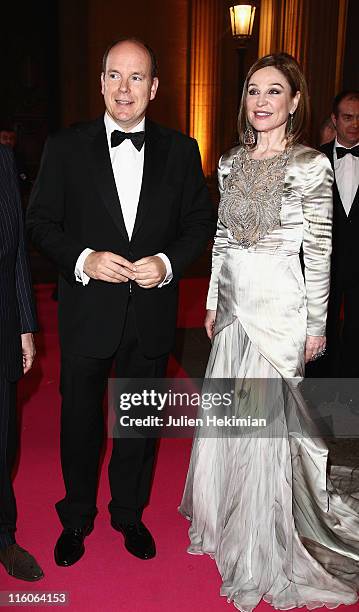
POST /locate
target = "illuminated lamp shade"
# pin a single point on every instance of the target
(242, 18)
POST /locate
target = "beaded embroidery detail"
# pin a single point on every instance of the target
(251, 201)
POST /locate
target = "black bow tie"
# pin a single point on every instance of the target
(341, 151)
(137, 138)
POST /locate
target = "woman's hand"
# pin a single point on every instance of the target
(314, 347)
(209, 322)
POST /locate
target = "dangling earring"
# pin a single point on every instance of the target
(290, 129)
(249, 138)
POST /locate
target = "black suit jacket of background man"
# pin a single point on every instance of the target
(75, 205)
(17, 311)
(345, 235)
(344, 283)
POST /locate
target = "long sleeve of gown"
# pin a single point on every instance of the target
(221, 237)
(317, 240)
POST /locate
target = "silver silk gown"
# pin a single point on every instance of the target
(279, 526)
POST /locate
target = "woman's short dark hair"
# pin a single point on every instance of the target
(289, 67)
(154, 62)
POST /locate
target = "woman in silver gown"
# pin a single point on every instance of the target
(278, 525)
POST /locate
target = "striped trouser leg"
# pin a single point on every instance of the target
(8, 444)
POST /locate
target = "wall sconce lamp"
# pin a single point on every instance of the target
(242, 15)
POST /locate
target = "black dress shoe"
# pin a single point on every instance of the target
(138, 539)
(70, 545)
(20, 564)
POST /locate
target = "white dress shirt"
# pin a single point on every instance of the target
(127, 166)
(346, 172)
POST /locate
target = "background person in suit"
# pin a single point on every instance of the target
(121, 206)
(327, 131)
(8, 137)
(343, 153)
(17, 352)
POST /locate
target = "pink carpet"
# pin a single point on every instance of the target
(107, 578)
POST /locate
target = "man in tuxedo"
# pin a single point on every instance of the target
(343, 153)
(121, 206)
(17, 352)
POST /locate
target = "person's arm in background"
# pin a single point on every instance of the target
(24, 293)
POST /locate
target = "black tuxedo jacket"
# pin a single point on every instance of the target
(75, 205)
(344, 266)
(17, 311)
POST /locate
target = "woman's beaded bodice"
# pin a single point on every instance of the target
(251, 201)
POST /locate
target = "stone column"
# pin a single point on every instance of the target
(206, 23)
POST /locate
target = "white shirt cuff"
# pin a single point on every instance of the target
(169, 276)
(80, 275)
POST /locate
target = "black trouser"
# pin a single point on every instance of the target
(8, 447)
(83, 385)
(343, 341)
